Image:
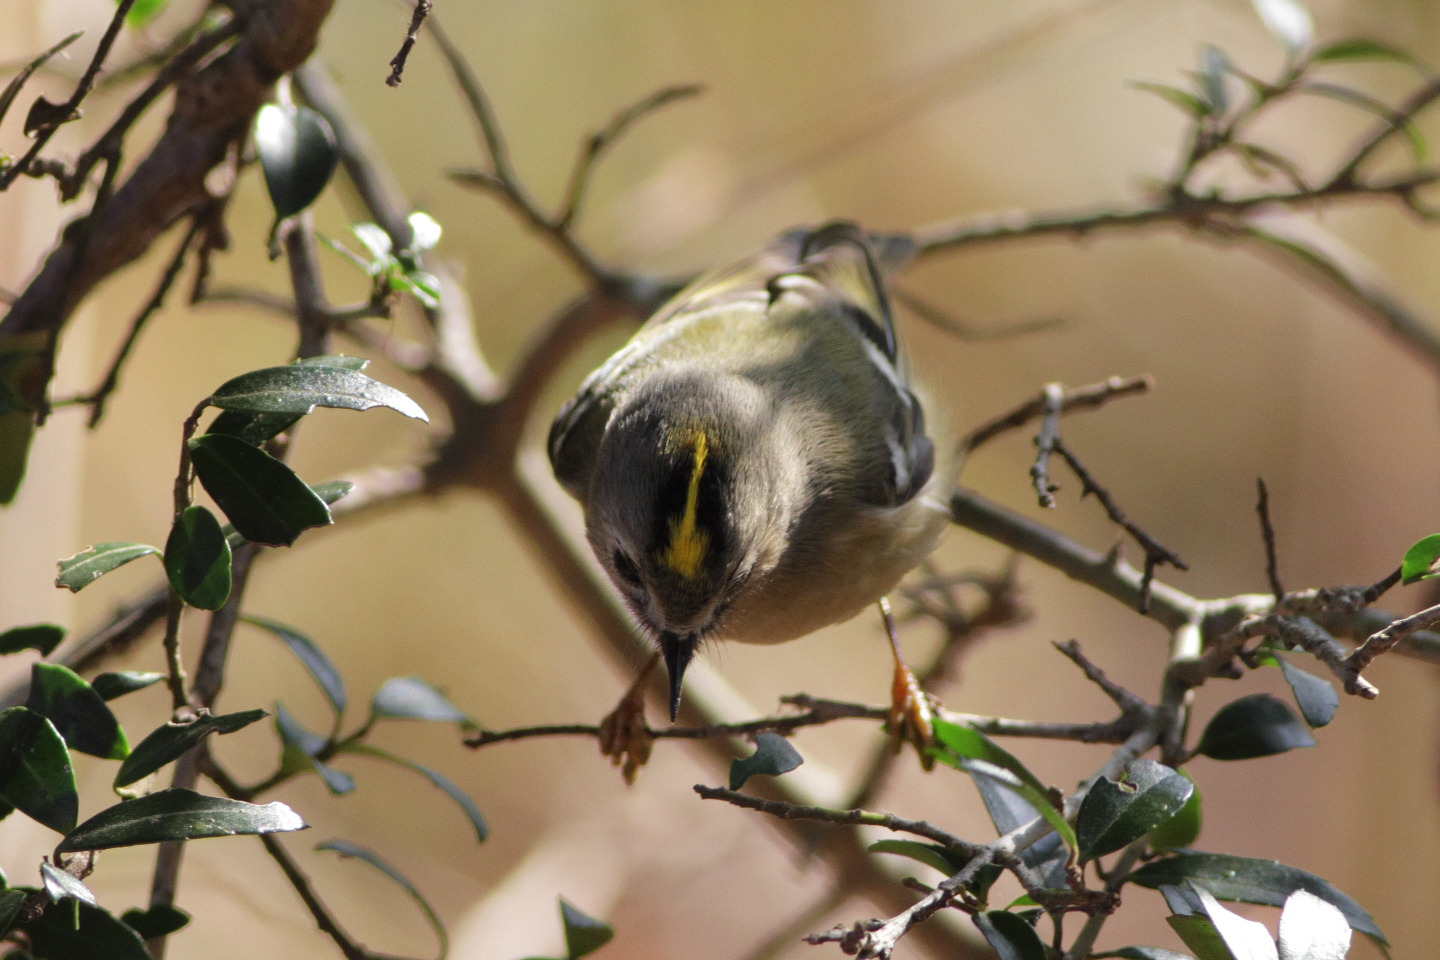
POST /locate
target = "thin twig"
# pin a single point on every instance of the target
(397, 63)
(1267, 533)
(971, 333)
(1087, 397)
(1045, 443)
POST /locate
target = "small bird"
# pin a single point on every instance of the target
(753, 464)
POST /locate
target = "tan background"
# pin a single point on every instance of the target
(893, 113)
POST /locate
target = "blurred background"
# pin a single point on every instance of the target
(897, 114)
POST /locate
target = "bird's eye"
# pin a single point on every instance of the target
(625, 569)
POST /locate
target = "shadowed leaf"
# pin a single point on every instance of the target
(35, 773)
(79, 713)
(773, 756)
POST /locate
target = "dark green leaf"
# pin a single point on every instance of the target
(60, 885)
(311, 656)
(253, 428)
(178, 814)
(10, 902)
(1316, 698)
(1355, 48)
(1311, 929)
(930, 854)
(297, 153)
(414, 699)
(1010, 936)
(112, 685)
(1419, 563)
(1144, 953)
(35, 774)
(155, 922)
(197, 559)
(300, 388)
(88, 565)
(17, 429)
(955, 741)
(1267, 882)
(1253, 726)
(773, 756)
(79, 714)
(583, 933)
(55, 936)
(1113, 815)
(347, 850)
(263, 498)
(43, 637)
(1181, 829)
(1186, 101)
(1037, 798)
(173, 740)
(461, 798)
(302, 748)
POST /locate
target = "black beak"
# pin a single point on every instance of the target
(678, 652)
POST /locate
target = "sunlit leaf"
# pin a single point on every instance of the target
(178, 814)
(414, 699)
(61, 885)
(1288, 21)
(89, 564)
(300, 388)
(1420, 560)
(1311, 929)
(297, 153)
(1115, 814)
(117, 684)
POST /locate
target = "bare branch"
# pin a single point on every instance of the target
(397, 63)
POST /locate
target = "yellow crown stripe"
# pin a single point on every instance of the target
(688, 543)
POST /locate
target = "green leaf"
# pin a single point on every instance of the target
(1115, 814)
(156, 921)
(43, 637)
(10, 902)
(955, 741)
(197, 559)
(79, 713)
(112, 685)
(35, 774)
(376, 240)
(332, 490)
(263, 498)
(1253, 726)
(89, 564)
(302, 749)
(17, 430)
(1316, 698)
(1010, 936)
(297, 153)
(411, 698)
(1037, 798)
(61, 885)
(348, 850)
(1288, 21)
(55, 935)
(1266, 882)
(1354, 49)
(1184, 99)
(1419, 563)
(142, 11)
(1311, 929)
(461, 798)
(254, 428)
(773, 756)
(178, 814)
(583, 933)
(300, 388)
(930, 854)
(174, 740)
(1181, 829)
(423, 286)
(1200, 935)
(1364, 101)
(312, 657)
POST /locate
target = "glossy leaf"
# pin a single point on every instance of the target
(117, 684)
(300, 388)
(302, 749)
(1181, 829)
(347, 850)
(312, 657)
(1010, 936)
(297, 154)
(1420, 560)
(89, 564)
(1288, 21)
(55, 934)
(413, 699)
(583, 933)
(1311, 929)
(79, 714)
(956, 741)
(60, 885)
(773, 756)
(253, 428)
(156, 921)
(1037, 798)
(197, 559)
(1253, 726)
(451, 789)
(35, 773)
(375, 240)
(178, 814)
(174, 740)
(1115, 814)
(1267, 882)
(263, 498)
(43, 637)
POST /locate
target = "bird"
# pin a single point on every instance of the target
(754, 464)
